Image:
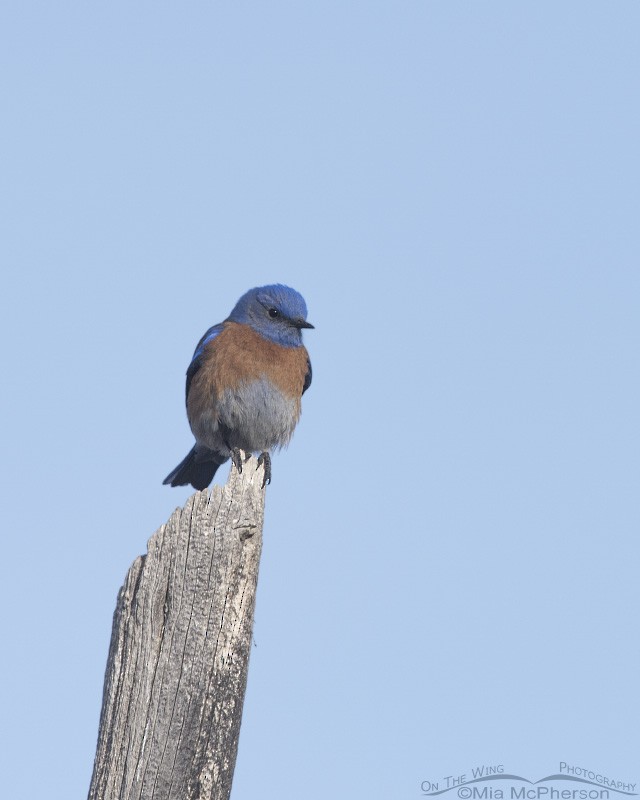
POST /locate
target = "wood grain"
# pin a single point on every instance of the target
(177, 666)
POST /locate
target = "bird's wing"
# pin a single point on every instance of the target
(307, 377)
(196, 361)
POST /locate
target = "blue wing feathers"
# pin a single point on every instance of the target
(209, 335)
(196, 361)
(307, 377)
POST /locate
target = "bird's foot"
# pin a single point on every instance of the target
(265, 458)
(236, 458)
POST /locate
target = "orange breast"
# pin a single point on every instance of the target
(240, 355)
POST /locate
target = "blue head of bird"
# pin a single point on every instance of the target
(276, 312)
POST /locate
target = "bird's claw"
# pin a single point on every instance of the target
(236, 458)
(265, 458)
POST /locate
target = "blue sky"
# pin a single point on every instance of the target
(449, 575)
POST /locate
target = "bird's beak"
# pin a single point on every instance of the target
(301, 323)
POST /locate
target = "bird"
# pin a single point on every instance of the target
(244, 384)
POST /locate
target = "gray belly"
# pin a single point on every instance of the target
(253, 417)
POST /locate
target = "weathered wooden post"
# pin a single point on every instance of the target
(177, 668)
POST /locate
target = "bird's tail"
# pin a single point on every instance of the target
(198, 469)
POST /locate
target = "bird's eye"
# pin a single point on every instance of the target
(273, 313)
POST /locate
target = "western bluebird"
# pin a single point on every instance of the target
(244, 384)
